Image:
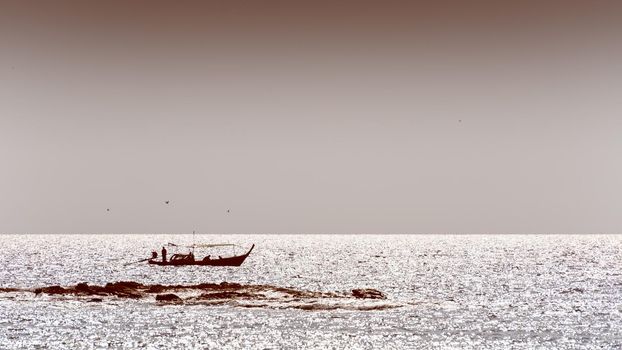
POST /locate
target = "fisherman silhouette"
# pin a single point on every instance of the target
(163, 254)
(166, 202)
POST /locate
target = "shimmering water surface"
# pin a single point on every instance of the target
(462, 292)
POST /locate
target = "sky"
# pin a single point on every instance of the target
(311, 117)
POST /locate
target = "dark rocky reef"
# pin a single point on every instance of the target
(215, 294)
(119, 289)
(230, 295)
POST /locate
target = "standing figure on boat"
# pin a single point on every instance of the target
(163, 254)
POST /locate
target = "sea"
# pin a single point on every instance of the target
(300, 292)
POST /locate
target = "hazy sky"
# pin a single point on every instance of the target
(311, 117)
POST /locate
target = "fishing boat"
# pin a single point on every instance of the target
(180, 259)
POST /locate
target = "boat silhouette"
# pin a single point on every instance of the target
(179, 259)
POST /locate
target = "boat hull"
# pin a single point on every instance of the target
(228, 261)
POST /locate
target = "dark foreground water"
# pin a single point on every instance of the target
(444, 292)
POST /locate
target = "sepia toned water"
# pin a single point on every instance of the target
(442, 292)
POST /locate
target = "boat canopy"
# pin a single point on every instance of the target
(204, 245)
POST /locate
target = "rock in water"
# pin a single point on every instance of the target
(83, 287)
(156, 288)
(52, 290)
(367, 294)
(169, 298)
